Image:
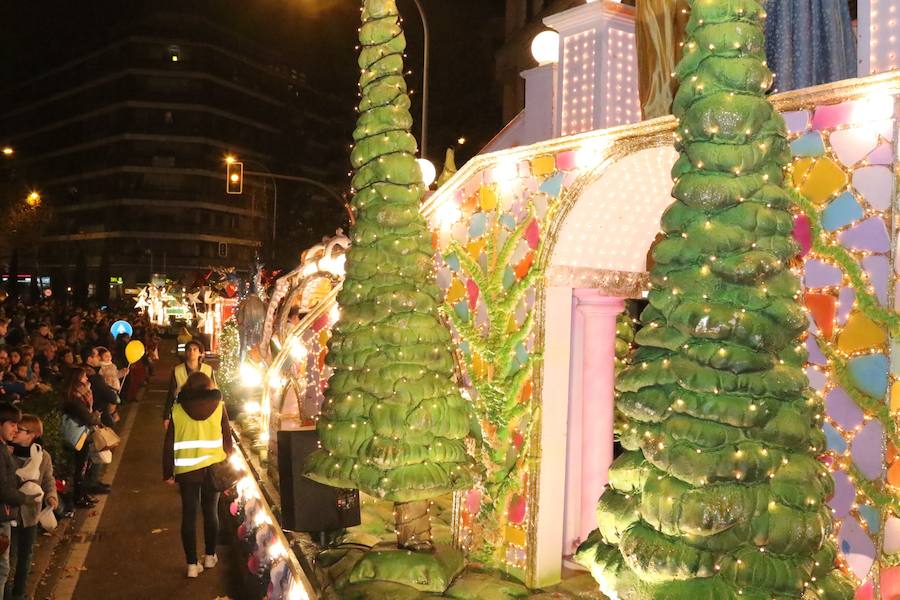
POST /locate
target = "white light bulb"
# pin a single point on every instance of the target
(545, 47)
(429, 173)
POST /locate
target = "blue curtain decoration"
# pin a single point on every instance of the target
(809, 42)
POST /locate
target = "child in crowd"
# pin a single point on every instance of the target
(35, 470)
(111, 375)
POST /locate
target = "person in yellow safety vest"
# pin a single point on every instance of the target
(198, 437)
(193, 363)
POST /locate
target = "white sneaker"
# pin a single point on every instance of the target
(210, 560)
(194, 570)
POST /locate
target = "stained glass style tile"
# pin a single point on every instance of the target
(870, 374)
(802, 234)
(442, 278)
(895, 357)
(882, 155)
(861, 333)
(857, 546)
(543, 165)
(452, 261)
(553, 185)
(488, 197)
(844, 493)
(892, 535)
(841, 212)
(472, 293)
(852, 145)
(462, 310)
(477, 225)
(810, 144)
(893, 473)
(871, 516)
(817, 379)
(567, 161)
(846, 298)
(842, 409)
(834, 441)
(797, 121)
(875, 184)
(827, 117)
(822, 308)
(819, 274)
(825, 180)
(895, 396)
(509, 277)
(801, 168)
(869, 235)
(878, 269)
(456, 292)
(533, 234)
(866, 450)
(481, 314)
(815, 354)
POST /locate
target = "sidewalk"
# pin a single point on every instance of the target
(129, 545)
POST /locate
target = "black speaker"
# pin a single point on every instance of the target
(305, 504)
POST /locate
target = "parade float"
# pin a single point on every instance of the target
(537, 247)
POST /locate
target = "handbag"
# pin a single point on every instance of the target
(104, 438)
(224, 476)
(47, 519)
(74, 434)
(101, 457)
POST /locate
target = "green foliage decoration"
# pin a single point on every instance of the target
(719, 494)
(229, 353)
(393, 423)
(498, 377)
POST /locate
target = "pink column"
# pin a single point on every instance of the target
(598, 381)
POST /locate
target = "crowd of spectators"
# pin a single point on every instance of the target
(58, 364)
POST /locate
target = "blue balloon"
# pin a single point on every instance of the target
(120, 327)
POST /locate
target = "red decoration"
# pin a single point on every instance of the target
(533, 234)
(472, 289)
(803, 234)
(524, 265)
(823, 309)
(516, 511)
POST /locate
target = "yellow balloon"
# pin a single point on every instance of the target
(134, 351)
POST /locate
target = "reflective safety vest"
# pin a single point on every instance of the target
(181, 375)
(198, 444)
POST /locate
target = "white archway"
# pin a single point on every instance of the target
(599, 258)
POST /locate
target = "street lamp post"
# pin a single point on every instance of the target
(426, 43)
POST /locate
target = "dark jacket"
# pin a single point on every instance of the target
(199, 405)
(79, 412)
(103, 394)
(9, 486)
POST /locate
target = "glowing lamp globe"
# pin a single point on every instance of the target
(429, 173)
(545, 47)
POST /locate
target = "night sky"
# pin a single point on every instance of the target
(317, 36)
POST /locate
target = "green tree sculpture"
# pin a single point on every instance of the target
(394, 423)
(719, 494)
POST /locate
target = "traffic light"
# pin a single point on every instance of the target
(234, 172)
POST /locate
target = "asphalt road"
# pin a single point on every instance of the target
(134, 549)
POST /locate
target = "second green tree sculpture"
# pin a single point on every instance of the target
(719, 494)
(394, 423)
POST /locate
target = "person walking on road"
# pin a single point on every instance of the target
(193, 363)
(197, 437)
